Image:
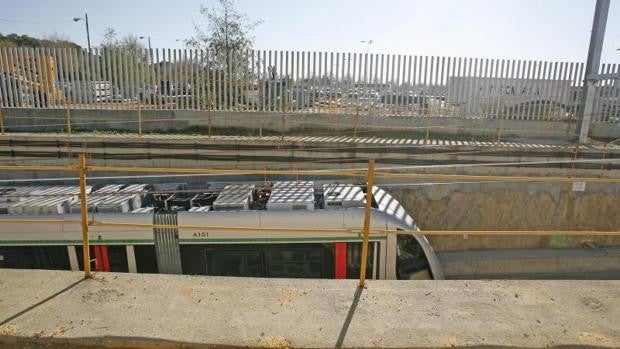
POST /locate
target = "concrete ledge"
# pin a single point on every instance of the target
(536, 263)
(307, 123)
(55, 309)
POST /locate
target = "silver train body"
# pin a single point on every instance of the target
(241, 252)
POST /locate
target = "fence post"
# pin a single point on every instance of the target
(84, 213)
(370, 175)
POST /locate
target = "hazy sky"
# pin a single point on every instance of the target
(518, 29)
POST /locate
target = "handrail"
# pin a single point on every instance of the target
(365, 232)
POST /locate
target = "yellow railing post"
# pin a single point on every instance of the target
(1, 121)
(68, 121)
(370, 175)
(210, 112)
(139, 120)
(500, 128)
(283, 119)
(427, 114)
(355, 121)
(84, 209)
(568, 135)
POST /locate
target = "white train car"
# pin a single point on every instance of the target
(230, 252)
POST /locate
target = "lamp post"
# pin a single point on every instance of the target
(148, 39)
(368, 43)
(85, 18)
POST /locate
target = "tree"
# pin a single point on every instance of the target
(110, 39)
(227, 29)
(129, 43)
(128, 50)
(58, 40)
(52, 40)
(228, 35)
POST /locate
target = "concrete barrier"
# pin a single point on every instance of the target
(308, 123)
(55, 309)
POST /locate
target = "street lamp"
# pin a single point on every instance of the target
(368, 43)
(149, 40)
(85, 18)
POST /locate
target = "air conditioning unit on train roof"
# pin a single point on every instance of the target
(116, 204)
(144, 210)
(234, 197)
(24, 193)
(200, 209)
(343, 195)
(110, 188)
(97, 197)
(42, 205)
(137, 192)
(42, 200)
(292, 184)
(291, 196)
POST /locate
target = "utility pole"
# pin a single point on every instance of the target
(592, 67)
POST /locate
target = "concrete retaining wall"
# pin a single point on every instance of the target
(518, 206)
(257, 122)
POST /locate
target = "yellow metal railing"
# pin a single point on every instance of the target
(366, 232)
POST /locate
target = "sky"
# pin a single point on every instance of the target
(556, 30)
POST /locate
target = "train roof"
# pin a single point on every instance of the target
(141, 198)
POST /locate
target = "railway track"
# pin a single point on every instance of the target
(300, 151)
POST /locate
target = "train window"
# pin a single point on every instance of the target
(116, 260)
(80, 257)
(35, 257)
(235, 263)
(411, 262)
(117, 256)
(295, 262)
(193, 259)
(146, 261)
(354, 257)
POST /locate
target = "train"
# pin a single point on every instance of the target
(142, 228)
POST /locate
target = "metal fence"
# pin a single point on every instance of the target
(300, 82)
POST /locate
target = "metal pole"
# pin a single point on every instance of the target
(1, 121)
(210, 111)
(139, 120)
(87, 31)
(68, 121)
(500, 128)
(282, 120)
(355, 121)
(84, 213)
(370, 175)
(592, 66)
